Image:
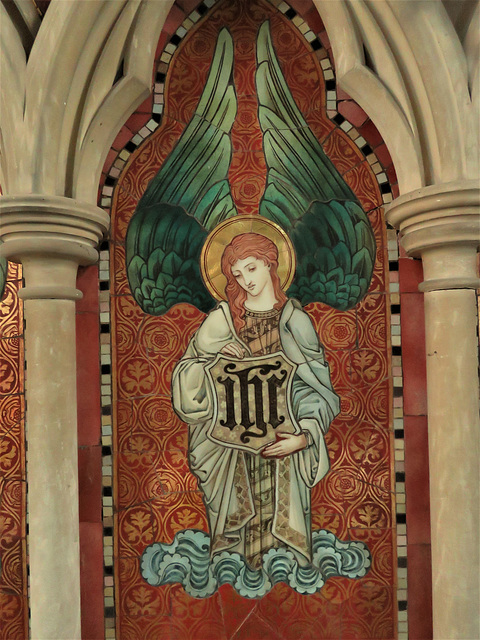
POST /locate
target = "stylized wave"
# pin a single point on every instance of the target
(187, 561)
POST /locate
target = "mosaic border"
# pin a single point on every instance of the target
(109, 179)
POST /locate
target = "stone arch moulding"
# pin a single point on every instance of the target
(66, 94)
(420, 90)
(395, 86)
(140, 126)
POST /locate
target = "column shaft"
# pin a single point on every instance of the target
(51, 236)
(452, 378)
(52, 472)
(441, 223)
(52, 467)
(52, 453)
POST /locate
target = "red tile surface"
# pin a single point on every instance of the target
(314, 21)
(145, 107)
(401, 251)
(410, 274)
(352, 112)
(111, 156)
(301, 6)
(90, 483)
(419, 592)
(342, 95)
(88, 378)
(123, 136)
(413, 354)
(12, 461)
(87, 283)
(175, 17)
(417, 479)
(370, 132)
(383, 155)
(11, 356)
(91, 580)
(138, 120)
(324, 39)
(392, 175)
(164, 38)
(139, 600)
(188, 5)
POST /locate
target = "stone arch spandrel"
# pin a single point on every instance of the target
(114, 104)
(418, 94)
(62, 115)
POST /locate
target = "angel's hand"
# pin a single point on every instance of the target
(233, 349)
(286, 444)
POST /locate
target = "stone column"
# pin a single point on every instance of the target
(51, 237)
(442, 226)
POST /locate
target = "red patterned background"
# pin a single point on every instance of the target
(155, 494)
(13, 576)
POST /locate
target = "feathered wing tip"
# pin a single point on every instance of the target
(187, 198)
(167, 272)
(194, 176)
(335, 254)
(307, 196)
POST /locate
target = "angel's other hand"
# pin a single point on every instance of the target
(286, 444)
(233, 349)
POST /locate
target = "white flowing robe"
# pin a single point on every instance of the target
(222, 471)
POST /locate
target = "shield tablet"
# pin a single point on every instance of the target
(252, 400)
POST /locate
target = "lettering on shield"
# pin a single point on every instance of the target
(251, 400)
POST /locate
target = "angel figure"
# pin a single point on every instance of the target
(257, 501)
(310, 242)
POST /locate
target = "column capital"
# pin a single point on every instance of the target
(56, 226)
(50, 236)
(441, 224)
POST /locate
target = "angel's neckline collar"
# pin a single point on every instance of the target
(270, 313)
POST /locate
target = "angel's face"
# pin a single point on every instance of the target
(252, 274)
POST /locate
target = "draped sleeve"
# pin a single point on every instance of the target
(191, 394)
(314, 402)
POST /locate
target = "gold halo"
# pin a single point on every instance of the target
(222, 235)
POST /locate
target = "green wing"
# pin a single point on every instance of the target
(306, 195)
(187, 198)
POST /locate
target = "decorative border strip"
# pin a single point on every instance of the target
(399, 444)
(107, 434)
(385, 175)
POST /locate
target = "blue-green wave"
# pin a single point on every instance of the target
(187, 561)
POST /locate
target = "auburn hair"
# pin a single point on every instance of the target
(244, 246)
